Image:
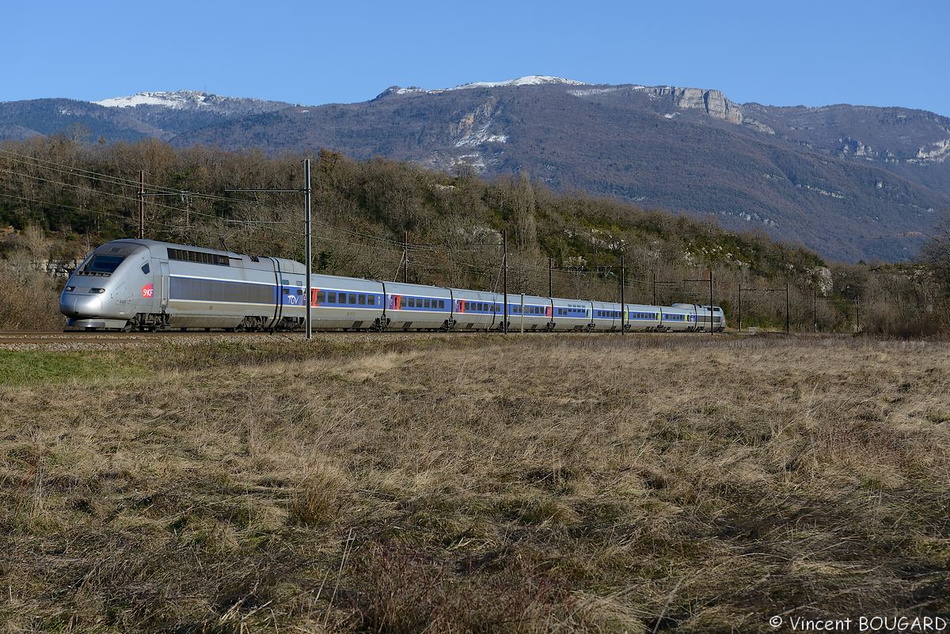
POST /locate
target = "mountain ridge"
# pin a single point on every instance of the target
(851, 182)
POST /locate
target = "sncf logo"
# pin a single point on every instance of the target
(148, 291)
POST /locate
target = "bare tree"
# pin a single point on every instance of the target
(936, 253)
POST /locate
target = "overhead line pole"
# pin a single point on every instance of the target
(623, 282)
(142, 194)
(710, 280)
(308, 240)
(142, 205)
(767, 290)
(308, 229)
(405, 255)
(550, 277)
(505, 275)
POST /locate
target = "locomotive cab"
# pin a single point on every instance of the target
(113, 284)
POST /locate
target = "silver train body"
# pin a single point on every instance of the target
(149, 285)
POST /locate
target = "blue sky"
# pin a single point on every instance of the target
(800, 52)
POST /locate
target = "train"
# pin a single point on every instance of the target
(147, 285)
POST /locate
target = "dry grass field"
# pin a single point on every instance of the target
(473, 484)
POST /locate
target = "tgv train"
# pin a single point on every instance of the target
(149, 285)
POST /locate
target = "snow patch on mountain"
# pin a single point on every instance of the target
(194, 101)
(530, 80)
(177, 100)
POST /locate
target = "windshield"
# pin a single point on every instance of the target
(102, 264)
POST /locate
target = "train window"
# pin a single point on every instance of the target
(362, 300)
(352, 299)
(427, 303)
(371, 300)
(103, 265)
(186, 255)
(321, 297)
(331, 298)
(145, 268)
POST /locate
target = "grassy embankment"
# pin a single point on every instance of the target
(589, 483)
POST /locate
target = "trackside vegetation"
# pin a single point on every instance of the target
(59, 198)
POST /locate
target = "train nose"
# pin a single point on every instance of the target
(77, 305)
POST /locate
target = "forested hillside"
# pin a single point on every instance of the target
(849, 182)
(60, 198)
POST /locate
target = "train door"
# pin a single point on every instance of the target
(164, 291)
(278, 294)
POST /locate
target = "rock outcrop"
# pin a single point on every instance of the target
(713, 102)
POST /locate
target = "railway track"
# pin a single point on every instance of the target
(88, 340)
(14, 339)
